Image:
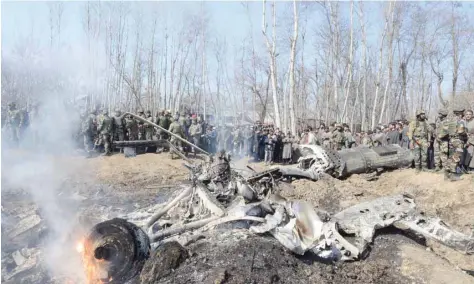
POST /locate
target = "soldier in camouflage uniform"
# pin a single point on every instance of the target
(131, 127)
(176, 129)
(454, 133)
(89, 130)
(141, 125)
(326, 137)
(14, 123)
(104, 128)
(338, 138)
(149, 129)
(366, 140)
(440, 144)
(118, 127)
(164, 123)
(195, 132)
(419, 133)
(156, 120)
(183, 122)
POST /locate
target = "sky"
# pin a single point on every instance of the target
(20, 19)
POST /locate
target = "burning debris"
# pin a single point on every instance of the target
(220, 195)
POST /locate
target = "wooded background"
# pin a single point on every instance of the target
(363, 63)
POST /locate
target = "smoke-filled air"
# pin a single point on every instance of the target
(237, 142)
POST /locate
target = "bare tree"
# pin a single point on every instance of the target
(379, 73)
(271, 48)
(364, 60)
(292, 68)
(349, 65)
(392, 27)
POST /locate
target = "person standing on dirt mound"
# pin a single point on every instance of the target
(165, 123)
(105, 130)
(419, 133)
(89, 130)
(176, 129)
(148, 127)
(131, 127)
(454, 132)
(141, 126)
(195, 132)
(441, 147)
(338, 138)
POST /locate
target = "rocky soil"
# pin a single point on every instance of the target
(88, 191)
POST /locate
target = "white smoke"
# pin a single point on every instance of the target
(43, 165)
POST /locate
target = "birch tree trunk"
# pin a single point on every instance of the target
(390, 64)
(349, 67)
(377, 83)
(292, 69)
(271, 47)
(364, 86)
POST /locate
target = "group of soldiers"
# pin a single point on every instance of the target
(447, 144)
(450, 139)
(99, 129)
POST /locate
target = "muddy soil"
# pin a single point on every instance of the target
(106, 187)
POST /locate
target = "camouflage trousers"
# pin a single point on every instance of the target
(441, 153)
(119, 135)
(106, 141)
(149, 133)
(132, 135)
(420, 152)
(455, 151)
(162, 135)
(141, 133)
(176, 143)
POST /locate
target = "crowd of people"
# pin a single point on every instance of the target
(447, 144)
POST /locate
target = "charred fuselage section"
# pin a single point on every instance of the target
(315, 161)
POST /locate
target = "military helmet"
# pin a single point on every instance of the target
(419, 112)
(175, 117)
(458, 110)
(12, 105)
(141, 111)
(337, 125)
(148, 112)
(443, 112)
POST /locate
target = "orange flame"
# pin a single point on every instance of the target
(80, 246)
(92, 266)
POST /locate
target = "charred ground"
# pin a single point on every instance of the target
(104, 188)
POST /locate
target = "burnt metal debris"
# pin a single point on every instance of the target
(315, 161)
(220, 193)
(115, 251)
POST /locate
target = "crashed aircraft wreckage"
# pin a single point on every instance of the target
(116, 250)
(315, 161)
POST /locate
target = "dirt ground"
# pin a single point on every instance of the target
(125, 184)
